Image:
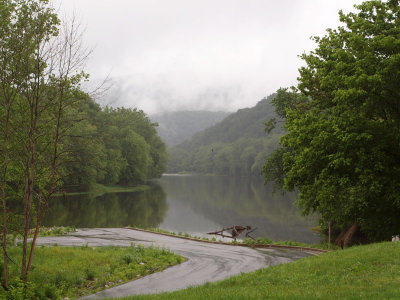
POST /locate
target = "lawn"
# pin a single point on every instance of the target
(360, 272)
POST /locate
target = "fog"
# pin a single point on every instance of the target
(191, 54)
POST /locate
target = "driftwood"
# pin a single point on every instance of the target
(235, 230)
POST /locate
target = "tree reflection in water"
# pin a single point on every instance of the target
(143, 209)
(192, 204)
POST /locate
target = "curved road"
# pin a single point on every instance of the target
(206, 262)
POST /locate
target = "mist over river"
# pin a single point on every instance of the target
(190, 204)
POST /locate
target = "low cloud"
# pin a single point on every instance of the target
(216, 55)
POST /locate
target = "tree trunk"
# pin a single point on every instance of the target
(345, 237)
(4, 202)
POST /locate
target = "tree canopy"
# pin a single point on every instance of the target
(342, 147)
(51, 133)
(111, 146)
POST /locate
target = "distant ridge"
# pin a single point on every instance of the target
(176, 127)
(245, 123)
(238, 145)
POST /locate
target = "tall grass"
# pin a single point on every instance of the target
(60, 272)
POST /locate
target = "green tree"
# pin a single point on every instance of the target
(137, 154)
(86, 155)
(40, 70)
(110, 146)
(342, 147)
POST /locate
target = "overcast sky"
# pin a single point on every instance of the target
(168, 55)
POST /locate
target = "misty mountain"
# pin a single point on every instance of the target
(245, 123)
(176, 127)
(238, 145)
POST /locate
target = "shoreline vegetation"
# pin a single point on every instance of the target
(100, 189)
(261, 242)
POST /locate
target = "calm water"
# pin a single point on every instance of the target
(192, 204)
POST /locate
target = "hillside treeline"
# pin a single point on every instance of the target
(176, 127)
(238, 145)
(110, 146)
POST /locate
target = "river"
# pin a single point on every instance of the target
(190, 204)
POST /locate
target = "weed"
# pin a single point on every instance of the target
(90, 274)
(127, 258)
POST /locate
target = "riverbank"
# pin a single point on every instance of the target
(100, 189)
(252, 243)
(360, 272)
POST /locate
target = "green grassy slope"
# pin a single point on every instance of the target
(362, 272)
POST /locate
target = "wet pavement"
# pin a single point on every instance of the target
(206, 262)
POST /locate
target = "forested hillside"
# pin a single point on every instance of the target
(111, 146)
(177, 127)
(238, 145)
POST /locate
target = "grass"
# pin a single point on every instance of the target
(53, 231)
(15, 238)
(267, 241)
(246, 241)
(59, 272)
(360, 272)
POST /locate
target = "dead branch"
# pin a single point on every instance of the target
(235, 230)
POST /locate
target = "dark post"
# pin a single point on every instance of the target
(329, 226)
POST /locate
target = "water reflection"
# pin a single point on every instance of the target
(192, 204)
(206, 203)
(144, 209)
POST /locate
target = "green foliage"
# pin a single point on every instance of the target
(111, 146)
(20, 291)
(341, 150)
(273, 168)
(236, 146)
(52, 133)
(38, 80)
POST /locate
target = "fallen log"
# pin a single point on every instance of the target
(236, 230)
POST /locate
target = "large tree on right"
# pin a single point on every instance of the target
(342, 147)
